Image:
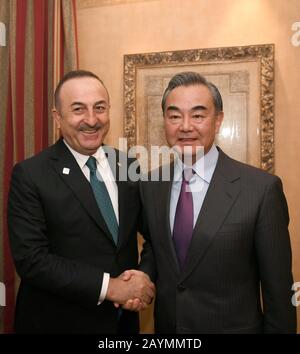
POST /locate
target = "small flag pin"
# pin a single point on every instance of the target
(66, 171)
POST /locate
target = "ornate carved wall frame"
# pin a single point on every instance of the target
(245, 77)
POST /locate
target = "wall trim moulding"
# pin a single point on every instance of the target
(82, 4)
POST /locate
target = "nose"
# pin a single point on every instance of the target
(90, 117)
(186, 124)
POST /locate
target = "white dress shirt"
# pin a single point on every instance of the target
(199, 183)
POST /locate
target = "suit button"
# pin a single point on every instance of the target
(181, 287)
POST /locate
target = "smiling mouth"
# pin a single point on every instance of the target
(187, 140)
(89, 131)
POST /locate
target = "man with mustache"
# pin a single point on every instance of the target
(73, 224)
(217, 231)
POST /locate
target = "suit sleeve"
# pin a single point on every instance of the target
(273, 250)
(35, 261)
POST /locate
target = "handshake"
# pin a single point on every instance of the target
(133, 290)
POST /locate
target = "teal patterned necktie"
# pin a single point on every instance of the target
(103, 198)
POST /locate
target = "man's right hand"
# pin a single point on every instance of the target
(133, 289)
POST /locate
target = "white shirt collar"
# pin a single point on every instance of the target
(82, 159)
(204, 167)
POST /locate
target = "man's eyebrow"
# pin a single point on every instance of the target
(83, 104)
(195, 108)
(199, 108)
(100, 102)
(77, 104)
(173, 108)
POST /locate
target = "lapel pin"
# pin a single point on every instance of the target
(119, 164)
(66, 171)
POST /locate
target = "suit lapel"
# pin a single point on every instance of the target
(162, 198)
(221, 195)
(76, 181)
(116, 165)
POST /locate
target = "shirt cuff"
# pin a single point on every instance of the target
(104, 288)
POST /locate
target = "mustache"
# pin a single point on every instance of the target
(87, 127)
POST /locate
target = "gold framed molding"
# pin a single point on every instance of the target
(245, 77)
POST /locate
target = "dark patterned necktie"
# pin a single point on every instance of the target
(103, 199)
(184, 218)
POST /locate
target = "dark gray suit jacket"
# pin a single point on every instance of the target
(62, 246)
(240, 241)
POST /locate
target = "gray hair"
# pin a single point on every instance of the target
(190, 78)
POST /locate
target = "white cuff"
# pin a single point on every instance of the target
(104, 288)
